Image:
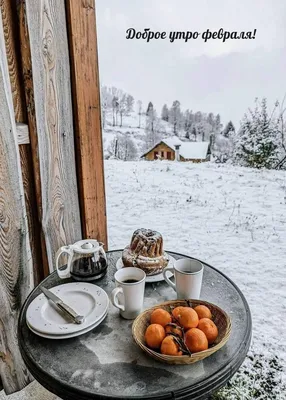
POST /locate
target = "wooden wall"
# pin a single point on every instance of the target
(41, 207)
(16, 269)
(48, 92)
(11, 36)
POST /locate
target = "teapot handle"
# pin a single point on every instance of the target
(64, 273)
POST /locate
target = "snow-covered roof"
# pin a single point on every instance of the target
(189, 150)
(194, 150)
(172, 141)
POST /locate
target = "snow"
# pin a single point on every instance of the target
(194, 150)
(172, 142)
(233, 218)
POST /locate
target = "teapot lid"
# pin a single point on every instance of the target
(86, 246)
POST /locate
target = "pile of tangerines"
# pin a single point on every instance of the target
(184, 330)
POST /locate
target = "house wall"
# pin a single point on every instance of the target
(160, 148)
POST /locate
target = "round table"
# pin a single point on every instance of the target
(107, 364)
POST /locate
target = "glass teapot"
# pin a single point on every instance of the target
(86, 261)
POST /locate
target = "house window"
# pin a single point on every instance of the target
(155, 155)
(162, 154)
(168, 155)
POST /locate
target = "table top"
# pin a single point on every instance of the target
(106, 362)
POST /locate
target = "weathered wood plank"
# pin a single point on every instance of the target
(87, 116)
(22, 133)
(11, 35)
(48, 94)
(31, 209)
(16, 271)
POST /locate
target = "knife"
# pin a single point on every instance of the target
(78, 319)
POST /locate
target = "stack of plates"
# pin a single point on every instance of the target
(46, 320)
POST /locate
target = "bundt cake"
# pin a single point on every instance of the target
(146, 252)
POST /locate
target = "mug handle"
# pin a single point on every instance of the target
(114, 299)
(66, 273)
(170, 283)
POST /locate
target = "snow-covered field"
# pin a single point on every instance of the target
(233, 218)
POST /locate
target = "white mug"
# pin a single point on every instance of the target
(128, 296)
(188, 278)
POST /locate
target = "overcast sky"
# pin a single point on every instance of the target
(213, 77)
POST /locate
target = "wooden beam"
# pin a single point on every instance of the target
(87, 117)
(16, 268)
(46, 68)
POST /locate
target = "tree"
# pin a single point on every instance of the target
(194, 134)
(122, 105)
(149, 108)
(151, 115)
(256, 141)
(211, 120)
(122, 148)
(139, 108)
(175, 116)
(218, 124)
(153, 134)
(165, 113)
(229, 130)
(198, 117)
(129, 104)
(188, 122)
(115, 106)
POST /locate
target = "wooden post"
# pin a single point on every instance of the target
(16, 269)
(46, 69)
(87, 117)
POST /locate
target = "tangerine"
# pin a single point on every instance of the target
(174, 329)
(186, 317)
(209, 328)
(154, 335)
(161, 317)
(196, 340)
(170, 347)
(177, 311)
(203, 312)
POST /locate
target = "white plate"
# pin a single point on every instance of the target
(152, 278)
(85, 298)
(69, 335)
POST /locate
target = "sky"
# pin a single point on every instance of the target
(216, 76)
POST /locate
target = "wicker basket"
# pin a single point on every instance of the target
(220, 318)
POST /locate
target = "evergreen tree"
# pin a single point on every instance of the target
(256, 141)
(175, 116)
(165, 113)
(151, 115)
(149, 108)
(228, 130)
(139, 107)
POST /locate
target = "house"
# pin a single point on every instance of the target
(175, 149)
